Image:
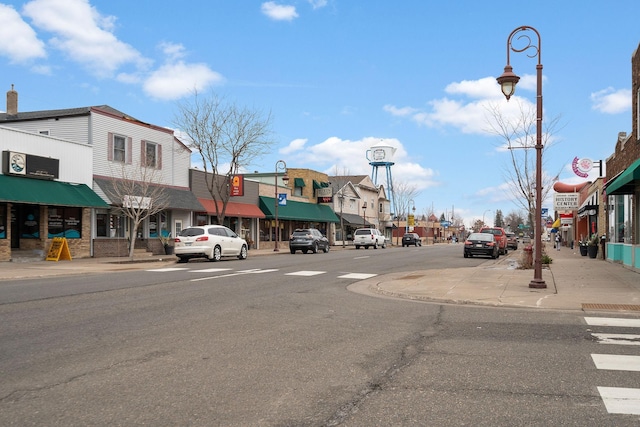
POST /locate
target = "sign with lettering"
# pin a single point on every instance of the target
(59, 250)
(565, 201)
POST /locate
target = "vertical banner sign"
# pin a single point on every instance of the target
(237, 185)
(282, 199)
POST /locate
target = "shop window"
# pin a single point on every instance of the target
(65, 222)
(3, 222)
(102, 225)
(30, 225)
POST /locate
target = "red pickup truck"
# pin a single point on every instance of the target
(500, 235)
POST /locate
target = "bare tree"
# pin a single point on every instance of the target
(136, 196)
(404, 193)
(519, 136)
(227, 137)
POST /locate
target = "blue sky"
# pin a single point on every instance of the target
(339, 76)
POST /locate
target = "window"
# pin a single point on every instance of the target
(65, 222)
(151, 154)
(119, 149)
(43, 132)
(30, 226)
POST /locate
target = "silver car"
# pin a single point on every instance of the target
(209, 241)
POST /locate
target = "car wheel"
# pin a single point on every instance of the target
(384, 245)
(315, 248)
(217, 254)
(326, 249)
(466, 255)
(304, 251)
(357, 247)
(494, 256)
(375, 245)
(243, 252)
(182, 259)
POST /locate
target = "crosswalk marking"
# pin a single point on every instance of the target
(306, 273)
(616, 362)
(209, 270)
(621, 339)
(612, 321)
(166, 269)
(621, 400)
(357, 276)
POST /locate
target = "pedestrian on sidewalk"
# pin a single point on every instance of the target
(558, 241)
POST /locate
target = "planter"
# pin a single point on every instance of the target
(583, 250)
(168, 250)
(592, 251)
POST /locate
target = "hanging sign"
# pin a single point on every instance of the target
(59, 250)
(582, 167)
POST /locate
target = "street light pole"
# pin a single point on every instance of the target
(508, 81)
(364, 214)
(341, 197)
(280, 165)
(488, 210)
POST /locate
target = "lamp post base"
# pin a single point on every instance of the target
(538, 284)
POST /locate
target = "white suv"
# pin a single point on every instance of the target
(368, 237)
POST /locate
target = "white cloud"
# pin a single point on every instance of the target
(401, 112)
(317, 4)
(24, 44)
(83, 34)
(173, 81)
(611, 101)
(294, 146)
(486, 87)
(279, 12)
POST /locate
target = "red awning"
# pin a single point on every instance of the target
(234, 209)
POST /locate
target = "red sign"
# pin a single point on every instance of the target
(237, 185)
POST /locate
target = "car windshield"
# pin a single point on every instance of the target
(301, 233)
(492, 231)
(364, 231)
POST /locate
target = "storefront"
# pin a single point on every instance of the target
(240, 217)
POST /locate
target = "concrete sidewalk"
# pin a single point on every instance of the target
(574, 282)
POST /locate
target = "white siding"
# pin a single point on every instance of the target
(176, 158)
(70, 128)
(75, 158)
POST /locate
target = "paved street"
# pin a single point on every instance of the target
(280, 340)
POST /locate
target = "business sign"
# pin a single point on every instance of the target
(582, 167)
(237, 185)
(136, 202)
(21, 164)
(545, 212)
(282, 199)
(566, 201)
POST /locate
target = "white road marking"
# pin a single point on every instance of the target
(610, 321)
(616, 362)
(621, 400)
(209, 270)
(357, 276)
(361, 257)
(239, 273)
(621, 339)
(306, 273)
(162, 270)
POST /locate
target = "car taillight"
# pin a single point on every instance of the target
(202, 239)
(491, 243)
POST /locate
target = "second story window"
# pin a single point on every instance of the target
(119, 148)
(151, 151)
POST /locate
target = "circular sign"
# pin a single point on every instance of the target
(581, 167)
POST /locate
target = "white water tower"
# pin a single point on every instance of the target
(382, 156)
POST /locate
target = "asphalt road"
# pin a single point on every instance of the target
(280, 341)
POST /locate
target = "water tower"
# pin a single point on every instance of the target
(382, 156)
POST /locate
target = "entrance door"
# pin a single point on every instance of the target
(15, 232)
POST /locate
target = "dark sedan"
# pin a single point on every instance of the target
(308, 239)
(411, 239)
(481, 244)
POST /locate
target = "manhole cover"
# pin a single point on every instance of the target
(616, 307)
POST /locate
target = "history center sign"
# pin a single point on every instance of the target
(565, 201)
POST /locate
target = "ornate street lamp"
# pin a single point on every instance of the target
(364, 214)
(508, 81)
(341, 197)
(280, 166)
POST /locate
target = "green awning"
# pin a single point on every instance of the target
(625, 182)
(298, 182)
(297, 211)
(43, 192)
(317, 185)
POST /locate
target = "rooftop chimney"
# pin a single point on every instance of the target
(12, 102)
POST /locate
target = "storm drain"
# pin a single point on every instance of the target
(613, 307)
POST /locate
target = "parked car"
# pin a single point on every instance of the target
(368, 237)
(501, 237)
(308, 239)
(512, 240)
(209, 241)
(526, 240)
(481, 244)
(411, 239)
